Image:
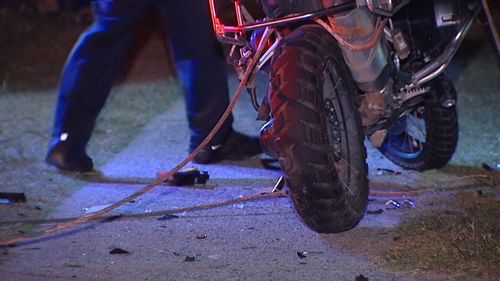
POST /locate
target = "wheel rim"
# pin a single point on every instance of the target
(407, 136)
(337, 133)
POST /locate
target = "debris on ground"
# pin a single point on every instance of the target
(94, 209)
(385, 171)
(112, 218)
(7, 198)
(361, 278)
(302, 255)
(74, 265)
(489, 168)
(408, 203)
(488, 192)
(119, 251)
(189, 259)
(168, 217)
(405, 204)
(203, 236)
(392, 204)
(375, 212)
(189, 176)
(32, 249)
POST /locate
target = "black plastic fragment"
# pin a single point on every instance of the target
(302, 255)
(384, 171)
(490, 168)
(32, 249)
(119, 251)
(487, 167)
(112, 218)
(167, 217)
(189, 259)
(189, 176)
(375, 212)
(361, 278)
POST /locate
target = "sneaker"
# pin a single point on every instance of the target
(236, 147)
(62, 157)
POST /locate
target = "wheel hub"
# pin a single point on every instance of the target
(333, 129)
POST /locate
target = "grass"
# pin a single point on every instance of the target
(462, 241)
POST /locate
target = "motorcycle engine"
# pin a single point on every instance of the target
(280, 8)
(429, 24)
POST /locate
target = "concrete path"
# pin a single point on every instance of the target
(258, 240)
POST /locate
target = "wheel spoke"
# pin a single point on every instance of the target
(416, 127)
(345, 185)
(349, 165)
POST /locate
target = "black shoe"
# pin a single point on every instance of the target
(63, 157)
(236, 147)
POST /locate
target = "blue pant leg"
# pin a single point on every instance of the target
(201, 66)
(92, 66)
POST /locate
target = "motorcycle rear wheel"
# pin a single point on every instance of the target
(426, 137)
(320, 145)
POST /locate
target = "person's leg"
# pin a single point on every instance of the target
(200, 65)
(88, 76)
(202, 69)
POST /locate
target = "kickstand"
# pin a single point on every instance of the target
(279, 185)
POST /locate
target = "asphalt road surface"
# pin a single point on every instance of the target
(259, 240)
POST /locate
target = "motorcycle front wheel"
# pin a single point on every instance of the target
(320, 140)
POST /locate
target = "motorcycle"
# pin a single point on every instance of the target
(341, 71)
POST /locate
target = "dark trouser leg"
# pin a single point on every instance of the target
(201, 66)
(93, 64)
